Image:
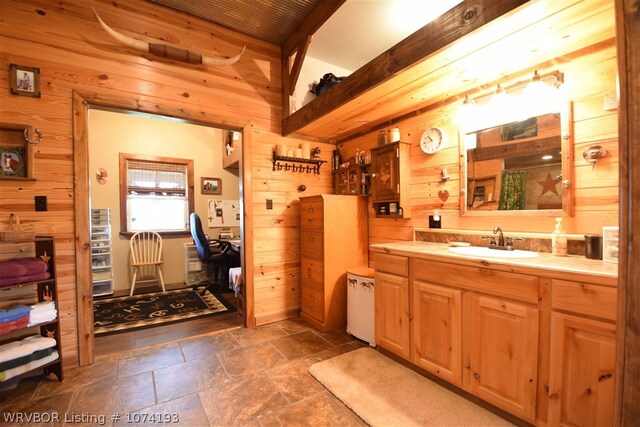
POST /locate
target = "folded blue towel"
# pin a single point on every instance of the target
(14, 313)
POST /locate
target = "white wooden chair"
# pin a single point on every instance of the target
(146, 253)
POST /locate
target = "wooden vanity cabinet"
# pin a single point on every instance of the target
(483, 319)
(503, 352)
(524, 340)
(582, 362)
(392, 303)
(436, 329)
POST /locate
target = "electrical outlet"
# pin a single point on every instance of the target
(269, 204)
(41, 203)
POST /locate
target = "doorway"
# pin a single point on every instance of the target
(114, 132)
(82, 104)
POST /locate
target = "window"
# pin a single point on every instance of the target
(156, 193)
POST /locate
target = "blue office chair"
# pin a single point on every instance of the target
(219, 254)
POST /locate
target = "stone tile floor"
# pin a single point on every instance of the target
(252, 377)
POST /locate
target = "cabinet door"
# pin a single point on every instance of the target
(582, 365)
(386, 174)
(340, 185)
(503, 346)
(392, 313)
(436, 329)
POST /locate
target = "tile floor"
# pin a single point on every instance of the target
(253, 377)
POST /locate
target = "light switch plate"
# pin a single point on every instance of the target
(610, 100)
(41, 203)
(269, 204)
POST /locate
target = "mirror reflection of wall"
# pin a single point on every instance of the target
(516, 166)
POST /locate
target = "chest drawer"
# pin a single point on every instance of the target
(312, 274)
(392, 264)
(521, 287)
(312, 244)
(584, 298)
(313, 303)
(311, 215)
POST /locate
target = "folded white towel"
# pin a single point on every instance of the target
(25, 347)
(42, 312)
(36, 320)
(43, 306)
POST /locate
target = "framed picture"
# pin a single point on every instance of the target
(24, 80)
(210, 185)
(12, 162)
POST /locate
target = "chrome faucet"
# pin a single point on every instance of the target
(508, 246)
(500, 236)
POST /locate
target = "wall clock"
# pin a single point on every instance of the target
(432, 140)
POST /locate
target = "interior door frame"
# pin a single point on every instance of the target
(82, 103)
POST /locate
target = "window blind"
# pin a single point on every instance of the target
(156, 178)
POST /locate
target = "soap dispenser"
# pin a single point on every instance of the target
(558, 240)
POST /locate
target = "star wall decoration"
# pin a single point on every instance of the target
(549, 184)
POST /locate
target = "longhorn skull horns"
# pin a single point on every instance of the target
(166, 51)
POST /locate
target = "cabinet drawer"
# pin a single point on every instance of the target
(312, 274)
(521, 287)
(584, 298)
(313, 303)
(393, 264)
(312, 244)
(311, 215)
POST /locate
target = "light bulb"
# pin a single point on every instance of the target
(539, 98)
(500, 109)
(467, 115)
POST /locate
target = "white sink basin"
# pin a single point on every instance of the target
(484, 252)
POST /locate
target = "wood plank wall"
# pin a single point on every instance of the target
(64, 40)
(588, 77)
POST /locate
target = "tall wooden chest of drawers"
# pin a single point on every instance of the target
(334, 237)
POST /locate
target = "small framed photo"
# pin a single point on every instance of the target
(210, 185)
(13, 162)
(24, 80)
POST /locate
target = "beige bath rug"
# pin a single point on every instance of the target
(385, 393)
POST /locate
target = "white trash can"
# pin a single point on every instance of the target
(360, 304)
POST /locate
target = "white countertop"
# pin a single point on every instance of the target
(546, 261)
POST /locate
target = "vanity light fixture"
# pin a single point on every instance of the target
(542, 95)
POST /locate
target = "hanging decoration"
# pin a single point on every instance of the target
(166, 51)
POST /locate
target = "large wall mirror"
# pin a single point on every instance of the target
(520, 167)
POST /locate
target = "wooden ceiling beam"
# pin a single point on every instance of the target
(301, 52)
(451, 26)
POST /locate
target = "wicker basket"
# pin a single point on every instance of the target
(16, 232)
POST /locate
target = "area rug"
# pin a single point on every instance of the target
(124, 314)
(384, 393)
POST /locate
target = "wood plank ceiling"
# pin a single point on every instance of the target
(270, 20)
(447, 59)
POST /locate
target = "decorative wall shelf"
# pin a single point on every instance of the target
(289, 164)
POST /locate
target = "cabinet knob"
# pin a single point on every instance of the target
(476, 376)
